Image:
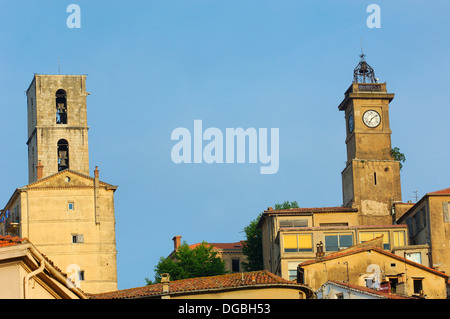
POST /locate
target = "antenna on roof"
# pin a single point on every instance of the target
(59, 66)
(416, 196)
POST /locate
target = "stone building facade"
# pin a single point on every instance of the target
(66, 213)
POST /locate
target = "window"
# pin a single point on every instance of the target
(298, 243)
(399, 238)
(235, 265)
(81, 275)
(61, 107)
(366, 236)
(77, 239)
(418, 286)
(340, 295)
(416, 257)
(370, 283)
(63, 155)
(292, 269)
(335, 242)
(445, 210)
(70, 206)
(294, 223)
(393, 281)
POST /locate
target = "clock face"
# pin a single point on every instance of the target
(350, 123)
(371, 118)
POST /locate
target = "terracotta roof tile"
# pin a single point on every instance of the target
(237, 245)
(445, 191)
(203, 284)
(10, 241)
(332, 209)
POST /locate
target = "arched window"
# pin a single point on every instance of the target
(63, 155)
(61, 107)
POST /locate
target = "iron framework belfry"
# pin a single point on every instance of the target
(363, 72)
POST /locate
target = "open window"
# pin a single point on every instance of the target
(63, 155)
(61, 107)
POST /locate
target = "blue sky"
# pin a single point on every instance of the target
(154, 66)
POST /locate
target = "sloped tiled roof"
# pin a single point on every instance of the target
(332, 209)
(237, 245)
(445, 191)
(10, 241)
(369, 291)
(256, 279)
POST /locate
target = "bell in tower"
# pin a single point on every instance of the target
(63, 155)
(363, 73)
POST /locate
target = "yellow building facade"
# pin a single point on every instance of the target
(296, 235)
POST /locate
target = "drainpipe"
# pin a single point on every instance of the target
(26, 280)
(57, 275)
(96, 195)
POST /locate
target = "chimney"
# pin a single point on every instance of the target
(96, 174)
(270, 209)
(176, 242)
(40, 170)
(319, 253)
(165, 279)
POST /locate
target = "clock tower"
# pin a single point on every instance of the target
(371, 178)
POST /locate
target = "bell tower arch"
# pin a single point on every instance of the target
(57, 125)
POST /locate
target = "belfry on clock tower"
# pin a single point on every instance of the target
(371, 178)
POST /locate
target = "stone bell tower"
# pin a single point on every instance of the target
(371, 179)
(57, 125)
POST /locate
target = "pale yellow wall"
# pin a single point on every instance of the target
(17, 262)
(49, 225)
(10, 275)
(435, 230)
(366, 263)
(325, 218)
(260, 293)
(440, 233)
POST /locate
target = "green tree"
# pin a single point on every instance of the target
(398, 156)
(252, 246)
(201, 261)
(286, 205)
